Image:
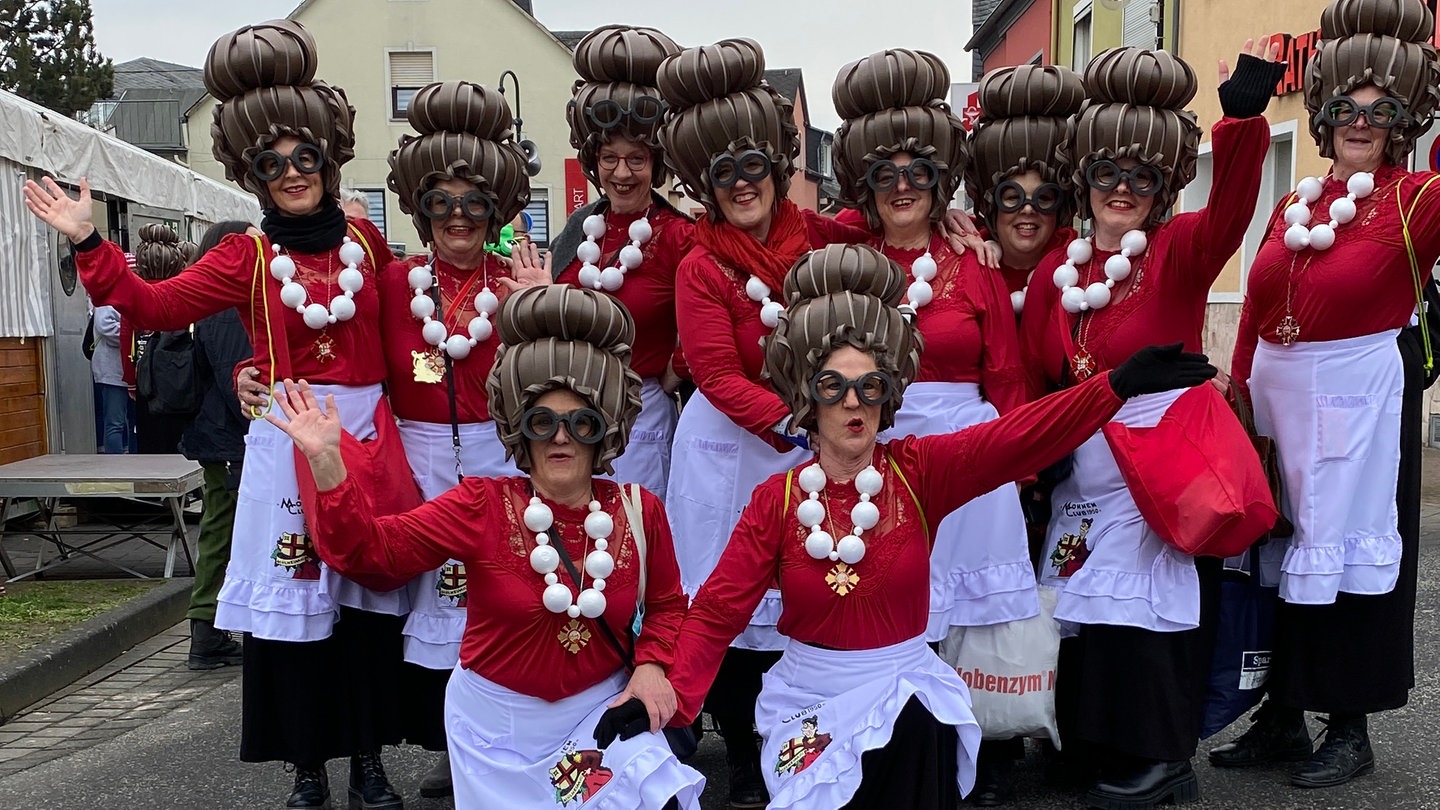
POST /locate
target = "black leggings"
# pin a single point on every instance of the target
(916, 770)
(731, 701)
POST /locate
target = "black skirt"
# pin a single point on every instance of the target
(306, 702)
(916, 770)
(1125, 692)
(424, 691)
(1357, 656)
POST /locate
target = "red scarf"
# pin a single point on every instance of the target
(769, 261)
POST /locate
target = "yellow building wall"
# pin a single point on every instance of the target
(475, 40)
(1105, 31)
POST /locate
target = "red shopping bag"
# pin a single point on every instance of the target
(1195, 476)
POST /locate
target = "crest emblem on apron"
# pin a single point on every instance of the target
(295, 555)
(450, 584)
(578, 774)
(1071, 552)
(799, 753)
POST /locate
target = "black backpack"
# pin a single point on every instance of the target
(87, 344)
(165, 374)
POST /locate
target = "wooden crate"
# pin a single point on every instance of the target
(22, 399)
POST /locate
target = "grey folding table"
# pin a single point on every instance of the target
(162, 480)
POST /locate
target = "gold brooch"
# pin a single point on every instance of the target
(842, 579)
(429, 366)
(574, 636)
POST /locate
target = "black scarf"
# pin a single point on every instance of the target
(319, 232)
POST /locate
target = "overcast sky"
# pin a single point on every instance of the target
(819, 37)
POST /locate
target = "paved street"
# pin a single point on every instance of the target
(145, 732)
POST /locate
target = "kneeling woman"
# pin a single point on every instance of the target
(560, 558)
(859, 712)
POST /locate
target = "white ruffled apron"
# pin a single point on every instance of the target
(646, 460)
(820, 710)
(438, 598)
(1109, 564)
(717, 466)
(980, 571)
(276, 586)
(509, 750)
(1334, 410)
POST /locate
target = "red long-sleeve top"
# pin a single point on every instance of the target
(925, 479)
(1362, 285)
(649, 290)
(510, 637)
(968, 327)
(423, 401)
(721, 331)
(1017, 278)
(1168, 285)
(231, 276)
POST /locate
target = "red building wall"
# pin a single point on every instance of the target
(1028, 36)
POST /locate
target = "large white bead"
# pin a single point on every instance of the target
(538, 516)
(810, 512)
(342, 307)
(599, 525)
(1071, 299)
(1297, 237)
(770, 314)
(351, 280)
(487, 302)
(1017, 301)
(590, 277)
(1309, 189)
(865, 515)
(481, 329)
(640, 230)
(544, 559)
(1361, 184)
(420, 278)
(924, 267)
(588, 252)
(920, 293)
(631, 257)
(611, 279)
(433, 333)
(592, 603)
(594, 226)
(819, 545)
(1117, 267)
(1322, 237)
(556, 598)
(1134, 241)
(316, 316)
(1342, 210)
(812, 478)
(599, 564)
(756, 290)
(573, 611)
(1299, 214)
(292, 295)
(351, 252)
(851, 548)
(1097, 295)
(1079, 251)
(869, 481)
(282, 267)
(422, 306)
(1066, 276)
(458, 347)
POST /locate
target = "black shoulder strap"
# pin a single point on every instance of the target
(625, 655)
(449, 380)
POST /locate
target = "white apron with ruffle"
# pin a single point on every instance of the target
(847, 701)
(646, 460)
(1109, 564)
(1334, 410)
(509, 750)
(717, 466)
(438, 598)
(980, 570)
(276, 587)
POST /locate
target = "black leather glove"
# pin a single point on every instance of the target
(1160, 368)
(623, 721)
(1247, 92)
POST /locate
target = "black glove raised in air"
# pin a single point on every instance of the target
(623, 721)
(1249, 89)
(1160, 368)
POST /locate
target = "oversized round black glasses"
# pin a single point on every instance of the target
(584, 425)
(1382, 113)
(270, 165)
(830, 387)
(1010, 197)
(726, 169)
(438, 205)
(885, 175)
(608, 114)
(1106, 175)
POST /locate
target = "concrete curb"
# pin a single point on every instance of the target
(77, 652)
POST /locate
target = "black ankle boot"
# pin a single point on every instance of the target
(1344, 755)
(747, 786)
(1146, 785)
(1276, 734)
(992, 779)
(311, 791)
(211, 648)
(369, 788)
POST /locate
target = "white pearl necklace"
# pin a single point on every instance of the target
(759, 292)
(923, 271)
(811, 512)
(611, 278)
(1117, 269)
(422, 306)
(294, 295)
(558, 598)
(1017, 298)
(1300, 234)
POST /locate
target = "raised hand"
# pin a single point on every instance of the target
(1247, 93)
(1160, 368)
(527, 267)
(315, 430)
(57, 209)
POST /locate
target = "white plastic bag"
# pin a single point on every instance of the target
(1010, 669)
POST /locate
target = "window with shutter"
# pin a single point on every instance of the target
(409, 71)
(539, 211)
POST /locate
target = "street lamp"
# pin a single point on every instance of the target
(532, 153)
